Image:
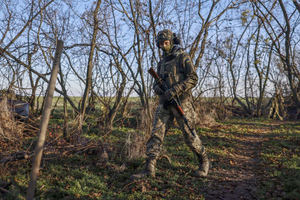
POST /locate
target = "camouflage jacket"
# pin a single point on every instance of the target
(177, 71)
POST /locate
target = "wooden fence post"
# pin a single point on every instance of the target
(44, 122)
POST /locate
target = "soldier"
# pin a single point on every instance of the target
(177, 71)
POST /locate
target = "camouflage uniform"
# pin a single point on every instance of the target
(178, 73)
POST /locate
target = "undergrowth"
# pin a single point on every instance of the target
(82, 175)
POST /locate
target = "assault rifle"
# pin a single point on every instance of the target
(174, 101)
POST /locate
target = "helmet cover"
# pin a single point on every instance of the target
(163, 35)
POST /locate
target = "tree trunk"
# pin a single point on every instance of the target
(66, 132)
(113, 111)
(62, 83)
(90, 67)
(44, 122)
(287, 59)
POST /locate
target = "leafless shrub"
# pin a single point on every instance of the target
(135, 145)
(10, 130)
(206, 114)
(144, 120)
(222, 111)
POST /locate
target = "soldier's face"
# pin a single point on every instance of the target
(165, 45)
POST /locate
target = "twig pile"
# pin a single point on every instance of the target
(10, 130)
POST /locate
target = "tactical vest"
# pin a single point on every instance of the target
(171, 70)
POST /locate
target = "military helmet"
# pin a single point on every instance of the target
(163, 35)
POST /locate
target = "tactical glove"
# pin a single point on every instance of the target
(170, 94)
(158, 90)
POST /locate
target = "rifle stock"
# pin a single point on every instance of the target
(153, 73)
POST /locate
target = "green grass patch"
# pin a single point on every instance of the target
(281, 155)
(82, 176)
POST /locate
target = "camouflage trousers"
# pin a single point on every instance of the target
(162, 121)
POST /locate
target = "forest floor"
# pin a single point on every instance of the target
(250, 159)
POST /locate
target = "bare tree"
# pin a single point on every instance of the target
(90, 65)
(282, 28)
(297, 5)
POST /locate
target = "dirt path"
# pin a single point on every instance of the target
(237, 176)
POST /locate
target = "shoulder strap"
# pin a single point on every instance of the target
(181, 58)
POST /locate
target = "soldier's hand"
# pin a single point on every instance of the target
(170, 94)
(158, 90)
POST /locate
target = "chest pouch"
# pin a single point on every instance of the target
(172, 71)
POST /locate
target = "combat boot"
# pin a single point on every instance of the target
(204, 163)
(149, 170)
